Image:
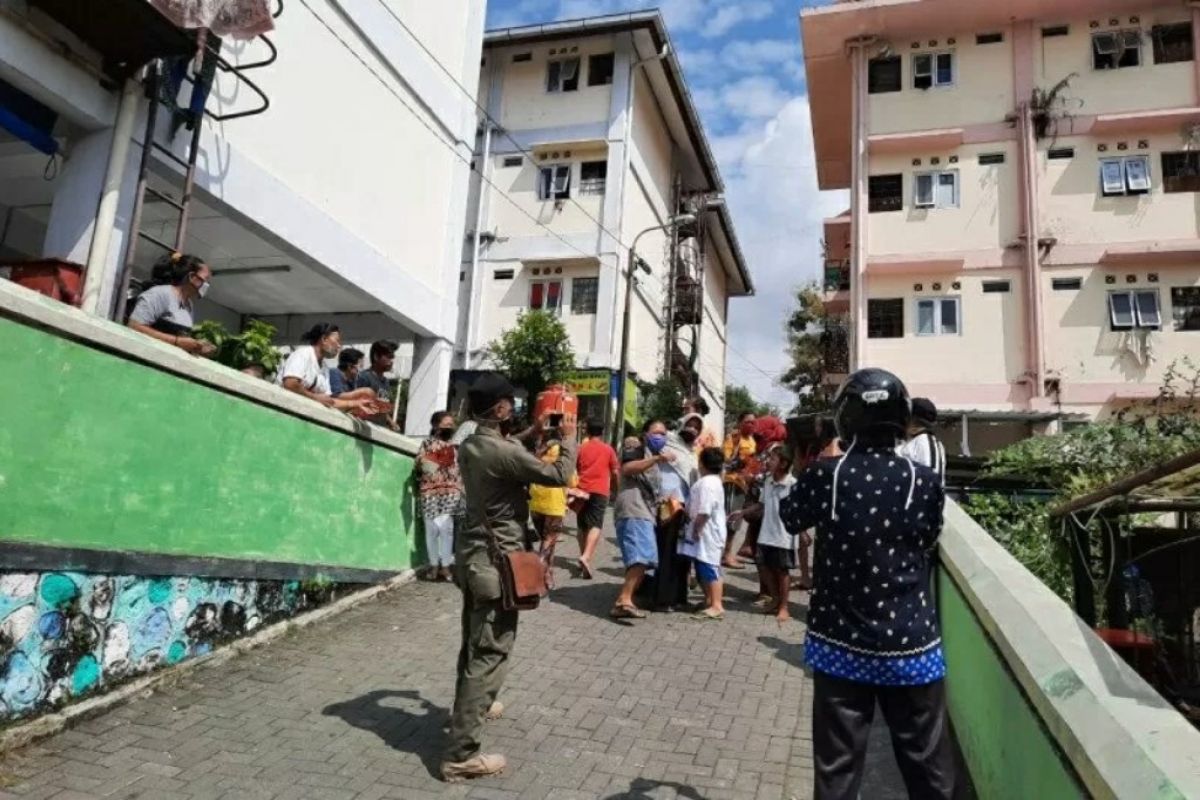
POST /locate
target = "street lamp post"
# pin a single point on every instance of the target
(673, 222)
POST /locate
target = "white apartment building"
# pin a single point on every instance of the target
(1023, 242)
(589, 140)
(342, 199)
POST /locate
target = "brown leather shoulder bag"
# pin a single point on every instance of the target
(522, 575)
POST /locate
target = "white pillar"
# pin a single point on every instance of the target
(76, 198)
(428, 386)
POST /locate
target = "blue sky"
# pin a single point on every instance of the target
(745, 68)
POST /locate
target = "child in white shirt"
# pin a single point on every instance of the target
(704, 539)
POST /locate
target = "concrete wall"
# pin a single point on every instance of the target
(523, 213)
(1074, 211)
(988, 351)
(1080, 343)
(987, 216)
(505, 299)
(1111, 91)
(983, 86)
(527, 104)
(1041, 706)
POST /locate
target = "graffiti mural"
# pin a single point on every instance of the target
(66, 634)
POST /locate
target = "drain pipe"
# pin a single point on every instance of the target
(110, 198)
(474, 301)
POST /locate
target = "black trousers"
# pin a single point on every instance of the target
(916, 715)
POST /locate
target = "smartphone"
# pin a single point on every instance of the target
(556, 420)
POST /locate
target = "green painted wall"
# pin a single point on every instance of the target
(1008, 752)
(100, 452)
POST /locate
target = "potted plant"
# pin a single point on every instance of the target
(252, 351)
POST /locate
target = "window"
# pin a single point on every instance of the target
(583, 295)
(1066, 284)
(1116, 49)
(1055, 30)
(937, 316)
(986, 159)
(545, 296)
(1058, 153)
(932, 69)
(522, 57)
(1136, 309)
(1181, 171)
(996, 287)
(513, 161)
(1172, 43)
(883, 75)
(554, 182)
(600, 70)
(1185, 307)
(885, 193)
(593, 175)
(885, 319)
(936, 189)
(502, 275)
(989, 38)
(1121, 176)
(563, 76)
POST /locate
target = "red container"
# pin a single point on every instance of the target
(61, 280)
(557, 400)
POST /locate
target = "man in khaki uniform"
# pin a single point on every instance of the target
(497, 472)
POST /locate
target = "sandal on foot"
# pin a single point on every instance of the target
(585, 570)
(705, 616)
(626, 612)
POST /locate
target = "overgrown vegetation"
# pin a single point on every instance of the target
(738, 401)
(661, 400)
(1082, 460)
(810, 341)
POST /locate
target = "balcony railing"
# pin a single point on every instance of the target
(837, 276)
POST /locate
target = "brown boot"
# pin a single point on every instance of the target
(481, 766)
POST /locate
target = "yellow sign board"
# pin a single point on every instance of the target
(585, 384)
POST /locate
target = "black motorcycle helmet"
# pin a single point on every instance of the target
(872, 403)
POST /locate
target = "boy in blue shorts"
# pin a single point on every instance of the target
(704, 540)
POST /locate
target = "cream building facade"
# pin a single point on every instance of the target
(1022, 244)
(588, 142)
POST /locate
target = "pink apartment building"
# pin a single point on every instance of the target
(1023, 239)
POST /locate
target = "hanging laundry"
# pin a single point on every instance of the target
(238, 19)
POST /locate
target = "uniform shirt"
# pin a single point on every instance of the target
(496, 474)
(304, 364)
(773, 533)
(872, 617)
(706, 497)
(161, 308)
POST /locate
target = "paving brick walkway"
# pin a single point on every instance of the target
(354, 707)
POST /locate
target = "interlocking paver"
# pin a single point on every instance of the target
(354, 707)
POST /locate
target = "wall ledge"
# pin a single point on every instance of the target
(30, 308)
(1120, 736)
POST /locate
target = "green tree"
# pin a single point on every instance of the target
(534, 353)
(809, 341)
(738, 401)
(661, 400)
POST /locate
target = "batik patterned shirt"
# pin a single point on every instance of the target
(872, 617)
(440, 486)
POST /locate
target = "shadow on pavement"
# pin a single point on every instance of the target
(641, 788)
(790, 652)
(411, 724)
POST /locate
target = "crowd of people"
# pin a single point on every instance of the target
(165, 310)
(866, 492)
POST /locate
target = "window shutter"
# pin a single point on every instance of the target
(1137, 174)
(925, 314)
(1148, 314)
(1112, 176)
(923, 188)
(949, 320)
(947, 190)
(1120, 310)
(536, 291)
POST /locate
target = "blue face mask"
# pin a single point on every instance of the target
(655, 442)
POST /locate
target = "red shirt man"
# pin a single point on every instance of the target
(596, 465)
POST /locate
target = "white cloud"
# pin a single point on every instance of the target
(729, 16)
(771, 183)
(753, 98)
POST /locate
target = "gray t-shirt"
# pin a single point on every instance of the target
(161, 304)
(370, 379)
(637, 497)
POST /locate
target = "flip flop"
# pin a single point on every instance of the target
(704, 616)
(585, 570)
(626, 612)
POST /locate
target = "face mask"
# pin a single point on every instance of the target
(655, 442)
(505, 426)
(445, 434)
(688, 435)
(204, 287)
(746, 428)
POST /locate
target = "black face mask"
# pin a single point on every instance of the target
(688, 435)
(506, 426)
(445, 434)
